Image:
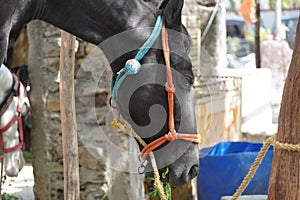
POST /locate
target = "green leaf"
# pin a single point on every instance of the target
(6, 196)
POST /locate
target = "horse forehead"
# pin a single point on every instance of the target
(156, 3)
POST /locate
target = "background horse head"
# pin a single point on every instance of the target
(11, 121)
(97, 21)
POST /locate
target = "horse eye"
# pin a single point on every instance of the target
(187, 83)
(190, 80)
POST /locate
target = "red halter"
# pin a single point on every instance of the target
(169, 87)
(18, 86)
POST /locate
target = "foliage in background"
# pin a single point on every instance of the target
(286, 4)
(239, 47)
(6, 196)
(27, 156)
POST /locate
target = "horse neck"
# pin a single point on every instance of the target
(6, 81)
(94, 20)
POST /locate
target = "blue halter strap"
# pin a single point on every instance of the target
(133, 66)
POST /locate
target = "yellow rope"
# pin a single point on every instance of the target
(286, 146)
(261, 154)
(157, 184)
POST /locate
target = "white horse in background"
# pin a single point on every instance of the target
(10, 121)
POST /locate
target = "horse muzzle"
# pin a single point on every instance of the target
(182, 170)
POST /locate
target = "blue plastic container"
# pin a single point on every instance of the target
(223, 167)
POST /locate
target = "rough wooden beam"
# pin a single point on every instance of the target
(68, 120)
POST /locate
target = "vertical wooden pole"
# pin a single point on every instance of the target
(68, 120)
(285, 177)
(278, 14)
(257, 35)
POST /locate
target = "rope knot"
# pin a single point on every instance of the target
(171, 136)
(169, 88)
(132, 66)
(116, 124)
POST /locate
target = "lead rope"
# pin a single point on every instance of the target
(157, 184)
(261, 154)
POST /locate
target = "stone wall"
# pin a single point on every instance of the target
(213, 43)
(99, 178)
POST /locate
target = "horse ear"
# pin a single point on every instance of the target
(172, 13)
(24, 74)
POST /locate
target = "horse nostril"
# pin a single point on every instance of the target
(193, 171)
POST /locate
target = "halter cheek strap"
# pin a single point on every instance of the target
(169, 87)
(19, 146)
(133, 66)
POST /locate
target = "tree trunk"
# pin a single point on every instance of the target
(285, 177)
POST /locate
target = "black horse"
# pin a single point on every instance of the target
(97, 20)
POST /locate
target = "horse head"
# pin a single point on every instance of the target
(14, 105)
(143, 101)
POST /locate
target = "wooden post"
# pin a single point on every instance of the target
(285, 177)
(68, 120)
(257, 35)
(278, 14)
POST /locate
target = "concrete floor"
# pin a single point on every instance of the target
(20, 186)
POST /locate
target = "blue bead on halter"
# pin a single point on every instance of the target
(133, 66)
